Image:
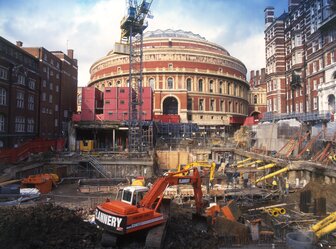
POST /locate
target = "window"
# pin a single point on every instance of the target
(44, 83)
(201, 105)
(57, 76)
(2, 122)
(152, 83)
(56, 122)
(31, 103)
(314, 85)
(189, 104)
(122, 102)
(220, 87)
(170, 82)
(50, 98)
(221, 105)
(30, 125)
(212, 105)
(50, 85)
(3, 73)
(44, 97)
(255, 99)
(211, 86)
(57, 88)
(51, 72)
(21, 79)
(315, 103)
(3, 96)
(19, 99)
(228, 88)
(170, 66)
(31, 84)
(65, 114)
(200, 85)
(188, 84)
(19, 124)
(56, 108)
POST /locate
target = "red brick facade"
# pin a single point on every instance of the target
(190, 77)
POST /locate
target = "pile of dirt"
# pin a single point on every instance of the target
(187, 233)
(46, 226)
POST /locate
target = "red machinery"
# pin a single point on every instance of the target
(120, 217)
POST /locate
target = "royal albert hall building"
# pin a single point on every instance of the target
(189, 76)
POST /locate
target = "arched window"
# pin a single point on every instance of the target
(235, 90)
(3, 96)
(221, 87)
(211, 86)
(200, 85)
(170, 83)
(255, 99)
(228, 88)
(2, 122)
(118, 83)
(188, 84)
(152, 83)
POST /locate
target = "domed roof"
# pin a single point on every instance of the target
(173, 33)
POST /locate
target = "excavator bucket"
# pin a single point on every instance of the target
(200, 222)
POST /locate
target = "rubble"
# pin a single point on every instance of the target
(46, 227)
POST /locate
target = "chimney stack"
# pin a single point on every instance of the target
(269, 16)
(19, 43)
(71, 53)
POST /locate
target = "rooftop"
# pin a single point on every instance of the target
(173, 33)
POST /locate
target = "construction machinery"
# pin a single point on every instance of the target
(141, 209)
(230, 211)
(325, 226)
(200, 164)
(43, 182)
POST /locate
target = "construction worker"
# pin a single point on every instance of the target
(287, 187)
(274, 184)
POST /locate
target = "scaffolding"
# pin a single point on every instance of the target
(132, 26)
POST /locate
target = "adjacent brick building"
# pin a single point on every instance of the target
(257, 93)
(36, 88)
(19, 95)
(305, 81)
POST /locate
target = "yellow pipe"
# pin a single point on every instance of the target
(249, 164)
(272, 174)
(244, 161)
(322, 223)
(267, 166)
(328, 229)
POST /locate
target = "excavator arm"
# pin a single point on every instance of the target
(174, 178)
(204, 164)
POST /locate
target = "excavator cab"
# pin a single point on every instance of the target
(132, 194)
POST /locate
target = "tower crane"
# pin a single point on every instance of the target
(132, 26)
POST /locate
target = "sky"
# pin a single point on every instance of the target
(91, 27)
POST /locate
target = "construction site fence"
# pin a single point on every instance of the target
(14, 155)
(75, 202)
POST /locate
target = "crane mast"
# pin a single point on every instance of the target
(132, 26)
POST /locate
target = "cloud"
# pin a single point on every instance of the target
(91, 27)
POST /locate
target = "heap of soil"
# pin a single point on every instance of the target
(45, 227)
(183, 232)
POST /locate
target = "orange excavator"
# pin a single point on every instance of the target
(141, 209)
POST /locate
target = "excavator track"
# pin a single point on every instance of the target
(108, 240)
(156, 237)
